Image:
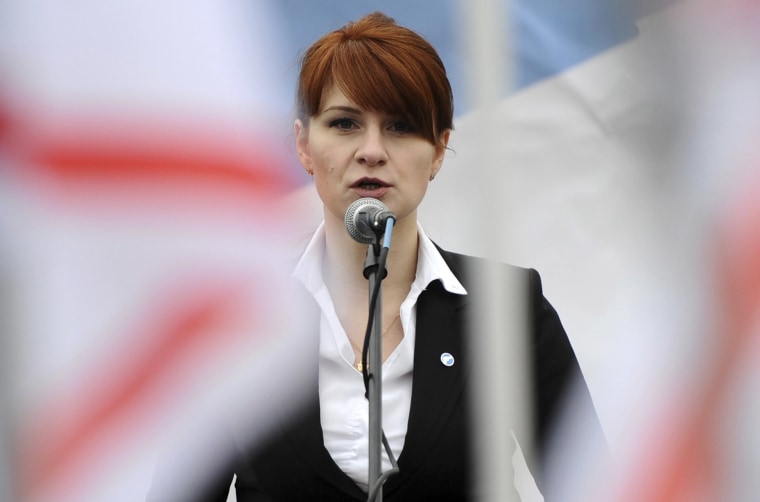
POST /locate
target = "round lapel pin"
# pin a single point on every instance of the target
(447, 359)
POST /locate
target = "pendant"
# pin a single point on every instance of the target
(359, 366)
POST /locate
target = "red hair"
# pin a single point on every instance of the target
(380, 66)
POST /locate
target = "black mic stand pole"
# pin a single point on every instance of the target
(374, 369)
(376, 256)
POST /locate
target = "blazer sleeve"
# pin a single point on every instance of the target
(557, 376)
(554, 362)
(174, 479)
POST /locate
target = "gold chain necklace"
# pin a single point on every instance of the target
(358, 364)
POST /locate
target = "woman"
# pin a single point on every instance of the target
(374, 117)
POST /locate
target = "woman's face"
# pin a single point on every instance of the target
(355, 153)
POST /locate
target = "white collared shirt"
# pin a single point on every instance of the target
(343, 407)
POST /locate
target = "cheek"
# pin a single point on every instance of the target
(425, 165)
(325, 172)
(325, 162)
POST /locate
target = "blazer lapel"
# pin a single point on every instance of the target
(437, 388)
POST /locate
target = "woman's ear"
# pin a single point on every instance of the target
(301, 133)
(440, 153)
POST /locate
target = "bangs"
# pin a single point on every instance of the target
(373, 78)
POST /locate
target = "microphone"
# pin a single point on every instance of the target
(366, 219)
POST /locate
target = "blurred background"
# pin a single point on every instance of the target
(150, 202)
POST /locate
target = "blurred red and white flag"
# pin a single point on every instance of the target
(143, 247)
(694, 400)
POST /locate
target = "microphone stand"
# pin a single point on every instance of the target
(376, 256)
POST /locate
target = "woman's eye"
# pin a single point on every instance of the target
(342, 124)
(401, 126)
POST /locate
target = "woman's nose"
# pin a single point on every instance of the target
(372, 149)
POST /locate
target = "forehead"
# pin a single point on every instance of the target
(334, 98)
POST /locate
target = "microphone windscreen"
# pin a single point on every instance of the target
(358, 217)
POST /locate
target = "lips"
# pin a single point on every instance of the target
(369, 184)
(370, 187)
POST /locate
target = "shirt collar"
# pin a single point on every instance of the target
(309, 268)
(430, 264)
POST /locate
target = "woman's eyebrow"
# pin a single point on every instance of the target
(342, 108)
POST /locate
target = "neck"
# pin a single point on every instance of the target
(344, 260)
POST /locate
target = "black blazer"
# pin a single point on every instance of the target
(293, 464)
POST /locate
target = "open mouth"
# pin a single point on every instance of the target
(369, 184)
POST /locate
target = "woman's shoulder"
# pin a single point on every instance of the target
(468, 267)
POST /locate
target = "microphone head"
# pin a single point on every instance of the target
(358, 217)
